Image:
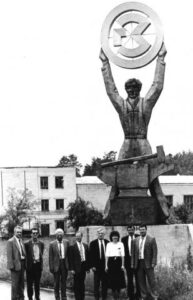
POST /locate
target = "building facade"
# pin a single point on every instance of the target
(53, 188)
(178, 189)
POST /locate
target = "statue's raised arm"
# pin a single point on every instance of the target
(158, 82)
(111, 88)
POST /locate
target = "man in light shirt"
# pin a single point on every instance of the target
(16, 263)
(79, 265)
(144, 260)
(128, 241)
(34, 263)
(97, 263)
(59, 264)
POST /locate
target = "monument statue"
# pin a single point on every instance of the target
(135, 113)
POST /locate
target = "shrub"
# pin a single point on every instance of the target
(173, 281)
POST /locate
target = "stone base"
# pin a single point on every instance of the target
(134, 210)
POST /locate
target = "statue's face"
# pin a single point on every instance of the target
(133, 92)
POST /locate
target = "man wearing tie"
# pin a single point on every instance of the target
(144, 259)
(34, 263)
(16, 263)
(97, 263)
(79, 265)
(59, 264)
(131, 274)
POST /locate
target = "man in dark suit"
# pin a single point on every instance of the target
(144, 259)
(97, 263)
(58, 262)
(34, 263)
(131, 273)
(79, 265)
(16, 263)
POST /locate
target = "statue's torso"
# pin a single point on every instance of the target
(135, 126)
(133, 120)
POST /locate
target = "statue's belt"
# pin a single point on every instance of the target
(138, 136)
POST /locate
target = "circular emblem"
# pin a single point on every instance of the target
(131, 35)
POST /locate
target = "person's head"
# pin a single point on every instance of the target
(18, 231)
(34, 233)
(79, 236)
(133, 88)
(100, 233)
(130, 230)
(59, 233)
(114, 236)
(143, 230)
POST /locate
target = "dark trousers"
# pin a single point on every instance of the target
(60, 281)
(100, 277)
(144, 274)
(33, 279)
(17, 283)
(131, 289)
(79, 285)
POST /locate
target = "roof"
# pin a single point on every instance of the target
(88, 180)
(39, 167)
(172, 179)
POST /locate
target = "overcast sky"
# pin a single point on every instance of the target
(52, 95)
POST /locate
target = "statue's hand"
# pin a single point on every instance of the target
(163, 51)
(103, 56)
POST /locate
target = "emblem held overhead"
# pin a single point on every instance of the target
(131, 35)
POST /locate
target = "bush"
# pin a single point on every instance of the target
(174, 281)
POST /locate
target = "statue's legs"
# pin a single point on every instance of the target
(157, 193)
(133, 148)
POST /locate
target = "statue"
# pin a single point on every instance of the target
(135, 113)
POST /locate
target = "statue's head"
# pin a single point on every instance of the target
(133, 88)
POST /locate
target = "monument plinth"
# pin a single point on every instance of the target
(131, 38)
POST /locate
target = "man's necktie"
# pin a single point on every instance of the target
(22, 250)
(81, 252)
(60, 249)
(102, 250)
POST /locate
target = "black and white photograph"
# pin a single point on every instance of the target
(96, 152)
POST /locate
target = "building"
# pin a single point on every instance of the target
(178, 189)
(53, 188)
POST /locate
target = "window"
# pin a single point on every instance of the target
(170, 199)
(44, 182)
(59, 182)
(45, 204)
(188, 201)
(59, 204)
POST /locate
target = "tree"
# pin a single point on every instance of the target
(19, 205)
(83, 213)
(182, 213)
(91, 170)
(183, 163)
(70, 160)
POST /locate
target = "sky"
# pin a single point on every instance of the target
(52, 96)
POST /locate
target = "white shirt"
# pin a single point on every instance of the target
(83, 250)
(62, 249)
(115, 249)
(99, 243)
(19, 245)
(141, 255)
(129, 244)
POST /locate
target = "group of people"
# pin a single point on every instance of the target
(126, 264)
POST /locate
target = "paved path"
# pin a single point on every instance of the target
(5, 293)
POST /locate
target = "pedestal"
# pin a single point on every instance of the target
(134, 210)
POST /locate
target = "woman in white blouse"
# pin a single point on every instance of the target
(115, 264)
